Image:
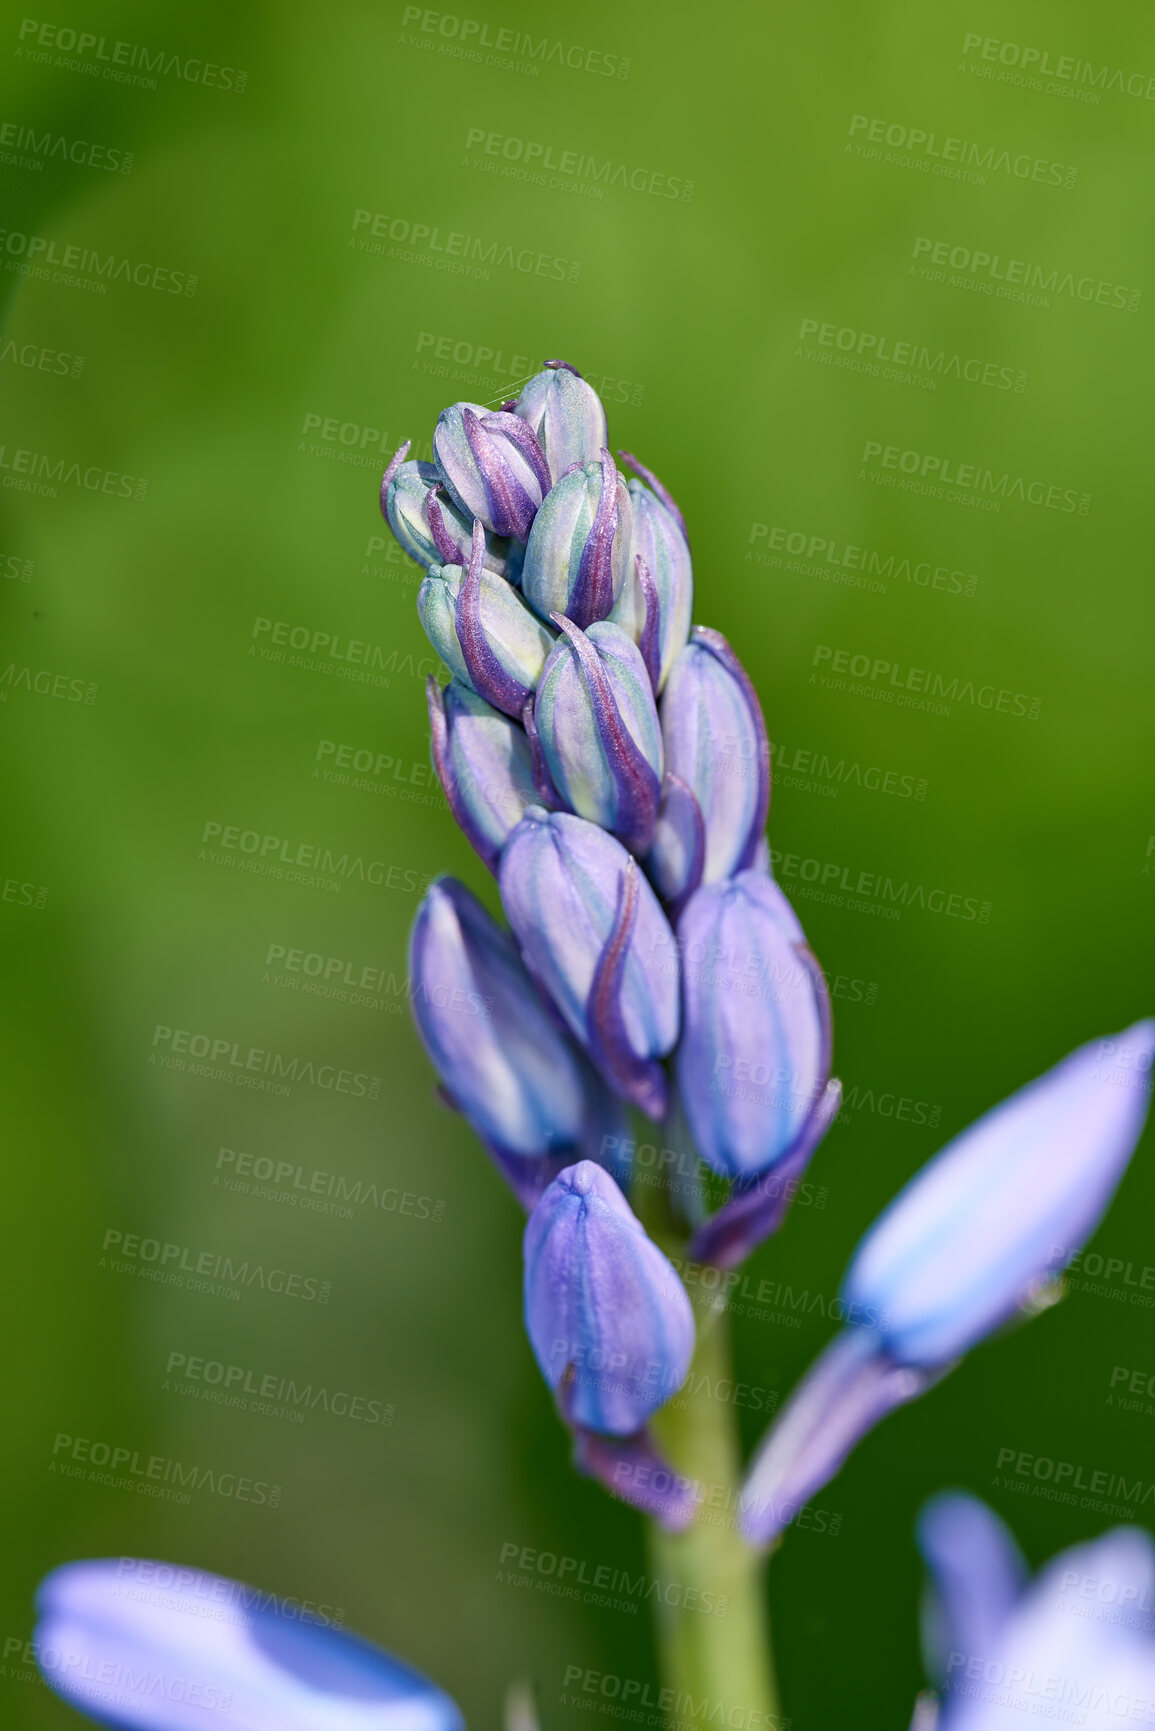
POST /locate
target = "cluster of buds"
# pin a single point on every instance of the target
(609, 764)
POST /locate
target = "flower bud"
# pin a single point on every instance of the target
(492, 466)
(483, 631)
(967, 1243)
(432, 529)
(483, 762)
(566, 416)
(575, 559)
(608, 1318)
(598, 726)
(658, 541)
(501, 1058)
(593, 935)
(715, 745)
(163, 1647)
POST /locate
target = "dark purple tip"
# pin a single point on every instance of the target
(650, 643)
(656, 486)
(638, 1079)
(447, 552)
(555, 366)
(395, 463)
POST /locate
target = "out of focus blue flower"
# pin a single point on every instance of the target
(566, 416)
(592, 934)
(484, 765)
(578, 550)
(1074, 1645)
(157, 1647)
(492, 466)
(598, 725)
(716, 747)
(528, 1093)
(965, 1246)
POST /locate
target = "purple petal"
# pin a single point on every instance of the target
(633, 1468)
(639, 1080)
(678, 855)
(656, 486)
(593, 593)
(978, 1575)
(636, 785)
(650, 642)
(486, 673)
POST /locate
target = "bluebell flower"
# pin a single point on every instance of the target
(566, 416)
(428, 524)
(595, 716)
(528, 1092)
(607, 1316)
(578, 550)
(593, 935)
(483, 631)
(1075, 1644)
(492, 467)
(967, 1244)
(484, 763)
(753, 1061)
(157, 1647)
(658, 593)
(716, 748)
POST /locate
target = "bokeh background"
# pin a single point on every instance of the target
(136, 708)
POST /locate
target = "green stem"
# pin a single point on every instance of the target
(720, 1654)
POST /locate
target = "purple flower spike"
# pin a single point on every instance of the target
(603, 952)
(484, 765)
(656, 486)
(483, 630)
(492, 466)
(598, 726)
(965, 1246)
(716, 744)
(754, 1057)
(566, 416)
(156, 1647)
(607, 1316)
(528, 1093)
(578, 550)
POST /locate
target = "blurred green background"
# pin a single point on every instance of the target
(259, 404)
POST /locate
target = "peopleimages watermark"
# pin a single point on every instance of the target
(29, 471)
(308, 863)
(903, 361)
(871, 892)
(672, 1709)
(1063, 1481)
(951, 158)
(915, 687)
(128, 1469)
(377, 772)
(24, 895)
(357, 444)
(35, 255)
(809, 770)
(119, 61)
(506, 50)
(14, 568)
(465, 361)
(266, 1392)
(223, 1059)
(459, 253)
(504, 153)
(331, 653)
(845, 562)
(606, 1585)
(1081, 77)
(964, 483)
(22, 146)
(167, 1263)
(1018, 279)
(38, 357)
(316, 1191)
(43, 682)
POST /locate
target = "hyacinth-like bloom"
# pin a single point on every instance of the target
(592, 933)
(483, 631)
(718, 765)
(598, 725)
(161, 1648)
(608, 1319)
(484, 764)
(492, 467)
(1002, 1648)
(566, 417)
(579, 547)
(658, 542)
(753, 1061)
(428, 524)
(965, 1245)
(503, 1062)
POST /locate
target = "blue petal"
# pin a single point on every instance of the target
(605, 1311)
(161, 1648)
(977, 1576)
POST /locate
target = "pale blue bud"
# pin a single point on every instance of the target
(566, 416)
(578, 549)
